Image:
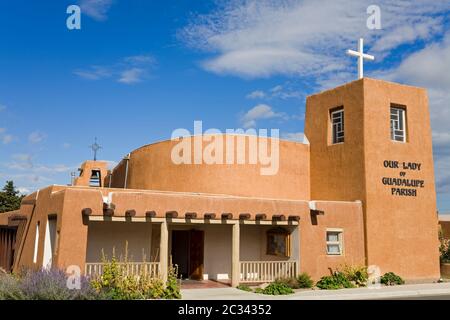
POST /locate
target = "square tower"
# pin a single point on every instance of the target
(370, 140)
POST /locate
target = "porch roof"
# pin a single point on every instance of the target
(189, 221)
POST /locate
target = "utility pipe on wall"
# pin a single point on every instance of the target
(127, 159)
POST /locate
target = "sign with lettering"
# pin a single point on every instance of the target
(402, 185)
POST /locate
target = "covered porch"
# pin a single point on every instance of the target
(229, 251)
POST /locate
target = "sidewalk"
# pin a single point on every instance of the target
(412, 290)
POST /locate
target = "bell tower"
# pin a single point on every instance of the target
(370, 140)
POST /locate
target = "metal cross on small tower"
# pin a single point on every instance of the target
(95, 147)
(361, 56)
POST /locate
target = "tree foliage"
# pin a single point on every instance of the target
(10, 197)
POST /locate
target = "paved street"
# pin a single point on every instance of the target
(436, 297)
(431, 291)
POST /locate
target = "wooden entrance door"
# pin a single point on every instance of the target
(196, 245)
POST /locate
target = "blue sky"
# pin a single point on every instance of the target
(137, 70)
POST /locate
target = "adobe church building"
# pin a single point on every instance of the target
(360, 191)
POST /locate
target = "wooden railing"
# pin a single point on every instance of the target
(266, 271)
(151, 269)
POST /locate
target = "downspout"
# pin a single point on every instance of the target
(127, 159)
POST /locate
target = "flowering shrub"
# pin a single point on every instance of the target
(116, 285)
(347, 276)
(356, 274)
(337, 280)
(444, 249)
(43, 285)
(10, 288)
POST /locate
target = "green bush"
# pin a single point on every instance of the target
(290, 282)
(172, 290)
(444, 248)
(10, 288)
(391, 279)
(301, 281)
(304, 281)
(115, 285)
(337, 280)
(357, 275)
(276, 288)
(244, 287)
(327, 283)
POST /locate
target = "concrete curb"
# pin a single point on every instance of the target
(375, 295)
(395, 292)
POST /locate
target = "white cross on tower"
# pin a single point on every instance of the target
(361, 56)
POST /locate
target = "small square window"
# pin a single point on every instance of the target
(334, 242)
(398, 123)
(337, 125)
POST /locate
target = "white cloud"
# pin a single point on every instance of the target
(66, 145)
(36, 137)
(96, 9)
(140, 59)
(293, 136)
(5, 138)
(94, 73)
(260, 111)
(428, 68)
(131, 76)
(128, 70)
(305, 37)
(23, 190)
(21, 161)
(257, 94)
(30, 175)
(24, 162)
(284, 92)
(2, 107)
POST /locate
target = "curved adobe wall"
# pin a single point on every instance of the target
(151, 168)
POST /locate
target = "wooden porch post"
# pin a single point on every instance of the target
(164, 251)
(235, 273)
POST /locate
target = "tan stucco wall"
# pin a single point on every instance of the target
(74, 248)
(313, 256)
(86, 170)
(4, 216)
(397, 233)
(401, 232)
(71, 241)
(152, 168)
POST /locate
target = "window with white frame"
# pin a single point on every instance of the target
(337, 125)
(398, 123)
(334, 242)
